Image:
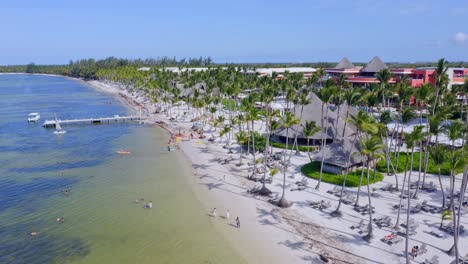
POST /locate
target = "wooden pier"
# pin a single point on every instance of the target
(100, 120)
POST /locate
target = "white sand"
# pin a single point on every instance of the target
(297, 234)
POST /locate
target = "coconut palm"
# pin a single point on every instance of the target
(253, 115)
(309, 129)
(352, 97)
(326, 95)
(371, 147)
(441, 80)
(412, 139)
(242, 139)
(384, 77)
(454, 132)
(289, 119)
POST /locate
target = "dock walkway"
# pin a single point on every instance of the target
(100, 120)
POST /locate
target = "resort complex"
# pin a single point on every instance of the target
(350, 164)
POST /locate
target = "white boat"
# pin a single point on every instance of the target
(58, 128)
(33, 117)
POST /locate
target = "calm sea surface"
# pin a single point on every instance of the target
(102, 223)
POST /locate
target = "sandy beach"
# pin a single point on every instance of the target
(299, 234)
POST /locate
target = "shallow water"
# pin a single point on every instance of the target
(103, 224)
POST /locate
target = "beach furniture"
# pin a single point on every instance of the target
(433, 260)
(320, 205)
(385, 221)
(411, 232)
(392, 239)
(405, 194)
(464, 259)
(414, 185)
(429, 187)
(349, 199)
(358, 225)
(416, 209)
(335, 190)
(422, 249)
(412, 224)
(387, 188)
(437, 234)
(449, 229)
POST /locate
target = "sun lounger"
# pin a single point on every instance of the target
(385, 221)
(299, 188)
(416, 209)
(349, 199)
(315, 203)
(449, 229)
(411, 232)
(437, 234)
(412, 224)
(392, 239)
(336, 189)
(433, 260)
(358, 225)
(414, 185)
(405, 194)
(387, 188)
(422, 249)
(464, 259)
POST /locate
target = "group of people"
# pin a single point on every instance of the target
(414, 251)
(228, 216)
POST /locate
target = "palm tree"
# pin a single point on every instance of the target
(454, 132)
(253, 115)
(326, 95)
(241, 138)
(309, 129)
(441, 80)
(289, 119)
(371, 149)
(412, 139)
(352, 97)
(384, 77)
(456, 160)
(439, 156)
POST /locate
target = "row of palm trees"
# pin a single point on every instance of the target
(220, 89)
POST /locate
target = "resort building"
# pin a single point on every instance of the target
(367, 75)
(337, 145)
(307, 71)
(457, 76)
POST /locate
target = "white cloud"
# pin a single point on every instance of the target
(460, 38)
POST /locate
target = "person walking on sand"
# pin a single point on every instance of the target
(213, 212)
(238, 222)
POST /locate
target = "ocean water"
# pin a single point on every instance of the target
(103, 223)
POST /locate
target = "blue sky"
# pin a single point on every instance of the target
(55, 31)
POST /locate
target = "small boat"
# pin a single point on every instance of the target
(58, 127)
(33, 117)
(123, 152)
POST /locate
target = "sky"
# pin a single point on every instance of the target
(56, 31)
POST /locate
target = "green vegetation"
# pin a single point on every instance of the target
(229, 103)
(431, 166)
(260, 142)
(312, 170)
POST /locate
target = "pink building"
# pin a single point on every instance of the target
(366, 75)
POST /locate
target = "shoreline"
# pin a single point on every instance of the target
(266, 235)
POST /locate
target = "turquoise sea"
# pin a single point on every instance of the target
(80, 177)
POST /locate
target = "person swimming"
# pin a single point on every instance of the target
(149, 205)
(60, 220)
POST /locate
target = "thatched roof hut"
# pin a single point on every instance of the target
(375, 65)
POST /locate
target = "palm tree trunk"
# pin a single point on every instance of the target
(337, 210)
(397, 224)
(369, 233)
(426, 159)
(265, 155)
(323, 149)
(282, 200)
(253, 152)
(359, 188)
(408, 209)
(441, 187)
(346, 121)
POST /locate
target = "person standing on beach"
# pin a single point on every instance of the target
(228, 215)
(238, 222)
(213, 212)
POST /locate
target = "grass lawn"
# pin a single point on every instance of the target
(312, 170)
(283, 146)
(431, 167)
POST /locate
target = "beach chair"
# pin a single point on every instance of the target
(437, 234)
(433, 260)
(464, 259)
(325, 205)
(416, 209)
(335, 189)
(358, 225)
(349, 199)
(422, 249)
(315, 204)
(387, 188)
